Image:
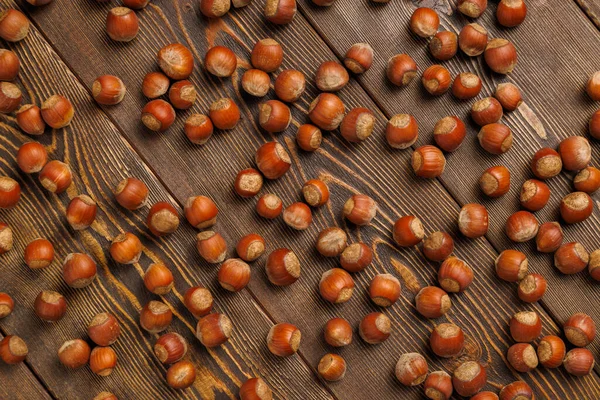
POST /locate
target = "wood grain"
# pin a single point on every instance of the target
(369, 168)
(551, 73)
(19, 383)
(100, 158)
(592, 9)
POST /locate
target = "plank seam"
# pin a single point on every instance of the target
(541, 303)
(166, 188)
(586, 10)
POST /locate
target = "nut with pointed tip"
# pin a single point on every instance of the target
(466, 85)
(447, 340)
(131, 193)
(443, 45)
(449, 133)
(331, 242)
(593, 86)
(357, 125)
(401, 131)
(57, 111)
(289, 85)
(234, 275)
(549, 237)
(579, 362)
(280, 12)
(176, 61)
(576, 207)
(587, 180)
(282, 267)
(103, 361)
(532, 288)
(250, 247)
(424, 22)
(297, 216)
(274, 116)
(14, 25)
(500, 55)
(56, 176)
(13, 349)
(315, 192)
(283, 339)
(32, 157)
(332, 367)
(534, 195)
(267, 55)
(158, 115)
(551, 351)
(384, 290)
(438, 386)
(428, 162)
(486, 111)
(214, 329)
(81, 212)
(224, 114)
(525, 326)
(155, 84)
(331, 76)
(521, 226)
(522, 357)
(6, 238)
(74, 354)
(158, 279)
(336, 285)
(182, 95)
(575, 152)
(7, 305)
(29, 119)
(408, 231)
(469, 378)
(9, 65)
(122, 24)
(220, 61)
(356, 257)
(509, 96)
(455, 275)
(79, 270)
(338, 332)
(401, 69)
(255, 389)
(432, 302)
(473, 220)
(198, 301)
(571, 258)
(518, 390)
(411, 369)
(104, 329)
(248, 183)
(359, 58)
(326, 111)
(436, 80)
(181, 375)
(580, 329)
(126, 248)
(473, 39)
(511, 13)
(375, 328)
(360, 209)
(39, 254)
(495, 181)
(546, 163)
(170, 348)
(438, 246)
(198, 128)
(155, 316)
(511, 265)
(272, 160)
(211, 246)
(108, 90)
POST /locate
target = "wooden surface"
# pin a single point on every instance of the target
(105, 144)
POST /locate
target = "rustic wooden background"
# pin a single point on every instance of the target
(68, 48)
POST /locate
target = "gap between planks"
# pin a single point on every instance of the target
(153, 172)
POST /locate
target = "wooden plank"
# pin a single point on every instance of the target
(19, 383)
(592, 9)
(348, 169)
(552, 76)
(99, 158)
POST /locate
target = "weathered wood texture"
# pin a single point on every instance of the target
(592, 9)
(551, 73)
(369, 168)
(100, 158)
(19, 383)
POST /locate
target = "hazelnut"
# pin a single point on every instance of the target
(56, 176)
(155, 84)
(39, 253)
(331, 241)
(198, 301)
(176, 61)
(155, 317)
(13, 349)
(511, 265)
(272, 160)
(436, 80)
(214, 329)
(122, 25)
(332, 367)
(331, 77)
(158, 115)
(486, 111)
(549, 237)
(248, 182)
(357, 125)
(255, 389)
(9, 65)
(438, 386)
(500, 55)
(211, 246)
(428, 162)
(214, 8)
(10, 192)
(580, 329)
(443, 45)
(438, 246)
(466, 86)
(162, 219)
(7, 304)
(250, 247)
(274, 116)
(424, 22)
(375, 328)
(525, 326)
(290, 85)
(449, 133)
(283, 339)
(6, 237)
(575, 152)
(201, 212)
(508, 95)
(170, 348)
(131, 193)
(359, 58)
(587, 180)
(579, 362)
(384, 290)
(326, 111)
(315, 193)
(269, 206)
(198, 128)
(297, 216)
(81, 212)
(518, 390)
(546, 163)
(50, 306)
(104, 329)
(571, 258)
(220, 61)
(473, 39)
(256, 82)
(336, 286)
(551, 351)
(234, 275)
(472, 8)
(454, 275)
(182, 95)
(29, 119)
(576, 207)
(402, 131)
(522, 357)
(57, 111)
(108, 90)
(495, 138)
(408, 231)
(282, 267)
(79, 270)
(280, 12)
(267, 55)
(181, 375)
(521, 226)
(495, 181)
(401, 69)
(469, 378)
(360, 209)
(532, 288)
(338, 332)
(158, 279)
(126, 248)
(534, 195)
(473, 220)
(411, 369)
(356, 257)
(432, 302)
(14, 25)
(74, 353)
(447, 340)
(511, 13)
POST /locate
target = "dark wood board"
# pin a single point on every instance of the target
(100, 158)
(592, 9)
(19, 383)
(348, 168)
(551, 73)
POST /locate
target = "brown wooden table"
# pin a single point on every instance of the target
(68, 48)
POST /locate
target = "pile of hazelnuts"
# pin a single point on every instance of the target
(326, 112)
